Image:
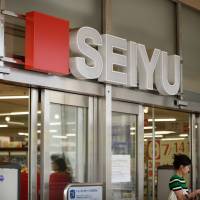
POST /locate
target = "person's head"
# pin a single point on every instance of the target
(59, 165)
(182, 164)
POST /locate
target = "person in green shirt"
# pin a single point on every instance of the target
(177, 184)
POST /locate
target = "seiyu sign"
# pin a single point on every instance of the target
(51, 47)
(95, 56)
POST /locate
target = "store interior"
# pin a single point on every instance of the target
(172, 132)
(13, 123)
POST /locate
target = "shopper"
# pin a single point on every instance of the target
(177, 184)
(24, 184)
(59, 179)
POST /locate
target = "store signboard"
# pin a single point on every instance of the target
(83, 192)
(47, 44)
(107, 58)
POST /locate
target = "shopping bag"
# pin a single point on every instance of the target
(172, 196)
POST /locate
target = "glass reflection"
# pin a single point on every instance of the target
(67, 130)
(123, 156)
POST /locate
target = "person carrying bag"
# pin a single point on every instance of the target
(177, 184)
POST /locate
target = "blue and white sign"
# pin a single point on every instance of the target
(85, 193)
(2, 178)
(9, 184)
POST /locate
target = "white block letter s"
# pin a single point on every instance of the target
(86, 61)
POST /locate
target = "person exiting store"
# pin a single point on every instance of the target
(178, 187)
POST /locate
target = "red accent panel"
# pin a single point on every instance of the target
(46, 44)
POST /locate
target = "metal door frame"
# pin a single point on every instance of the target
(134, 109)
(32, 144)
(193, 146)
(48, 97)
(105, 107)
(197, 178)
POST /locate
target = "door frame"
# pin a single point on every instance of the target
(105, 107)
(135, 109)
(63, 98)
(94, 168)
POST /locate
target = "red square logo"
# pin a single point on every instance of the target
(46, 44)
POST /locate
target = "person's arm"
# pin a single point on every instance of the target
(194, 194)
(180, 195)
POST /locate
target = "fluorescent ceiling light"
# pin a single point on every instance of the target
(38, 124)
(171, 139)
(71, 135)
(17, 113)
(14, 113)
(149, 136)
(148, 127)
(55, 123)
(133, 128)
(183, 135)
(23, 134)
(165, 132)
(3, 125)
(161, 132)
(59, 136)
(16, 123)
(145, 128)
(163, 120)
(14, 97)
(71, 123)
(38, 131)
(132, 133)
(53, 131)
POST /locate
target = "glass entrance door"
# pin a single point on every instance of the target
(126, 144)
(166, 132)
(65, 148)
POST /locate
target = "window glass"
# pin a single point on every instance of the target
(171, 129)
(123, 156)
(67, 144)
(14, 135)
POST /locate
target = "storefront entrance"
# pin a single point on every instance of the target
(61, 136)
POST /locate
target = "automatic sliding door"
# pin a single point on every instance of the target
(67, 133)
(126, 143)
(123, 155)
(65, 146)
(166, 132)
